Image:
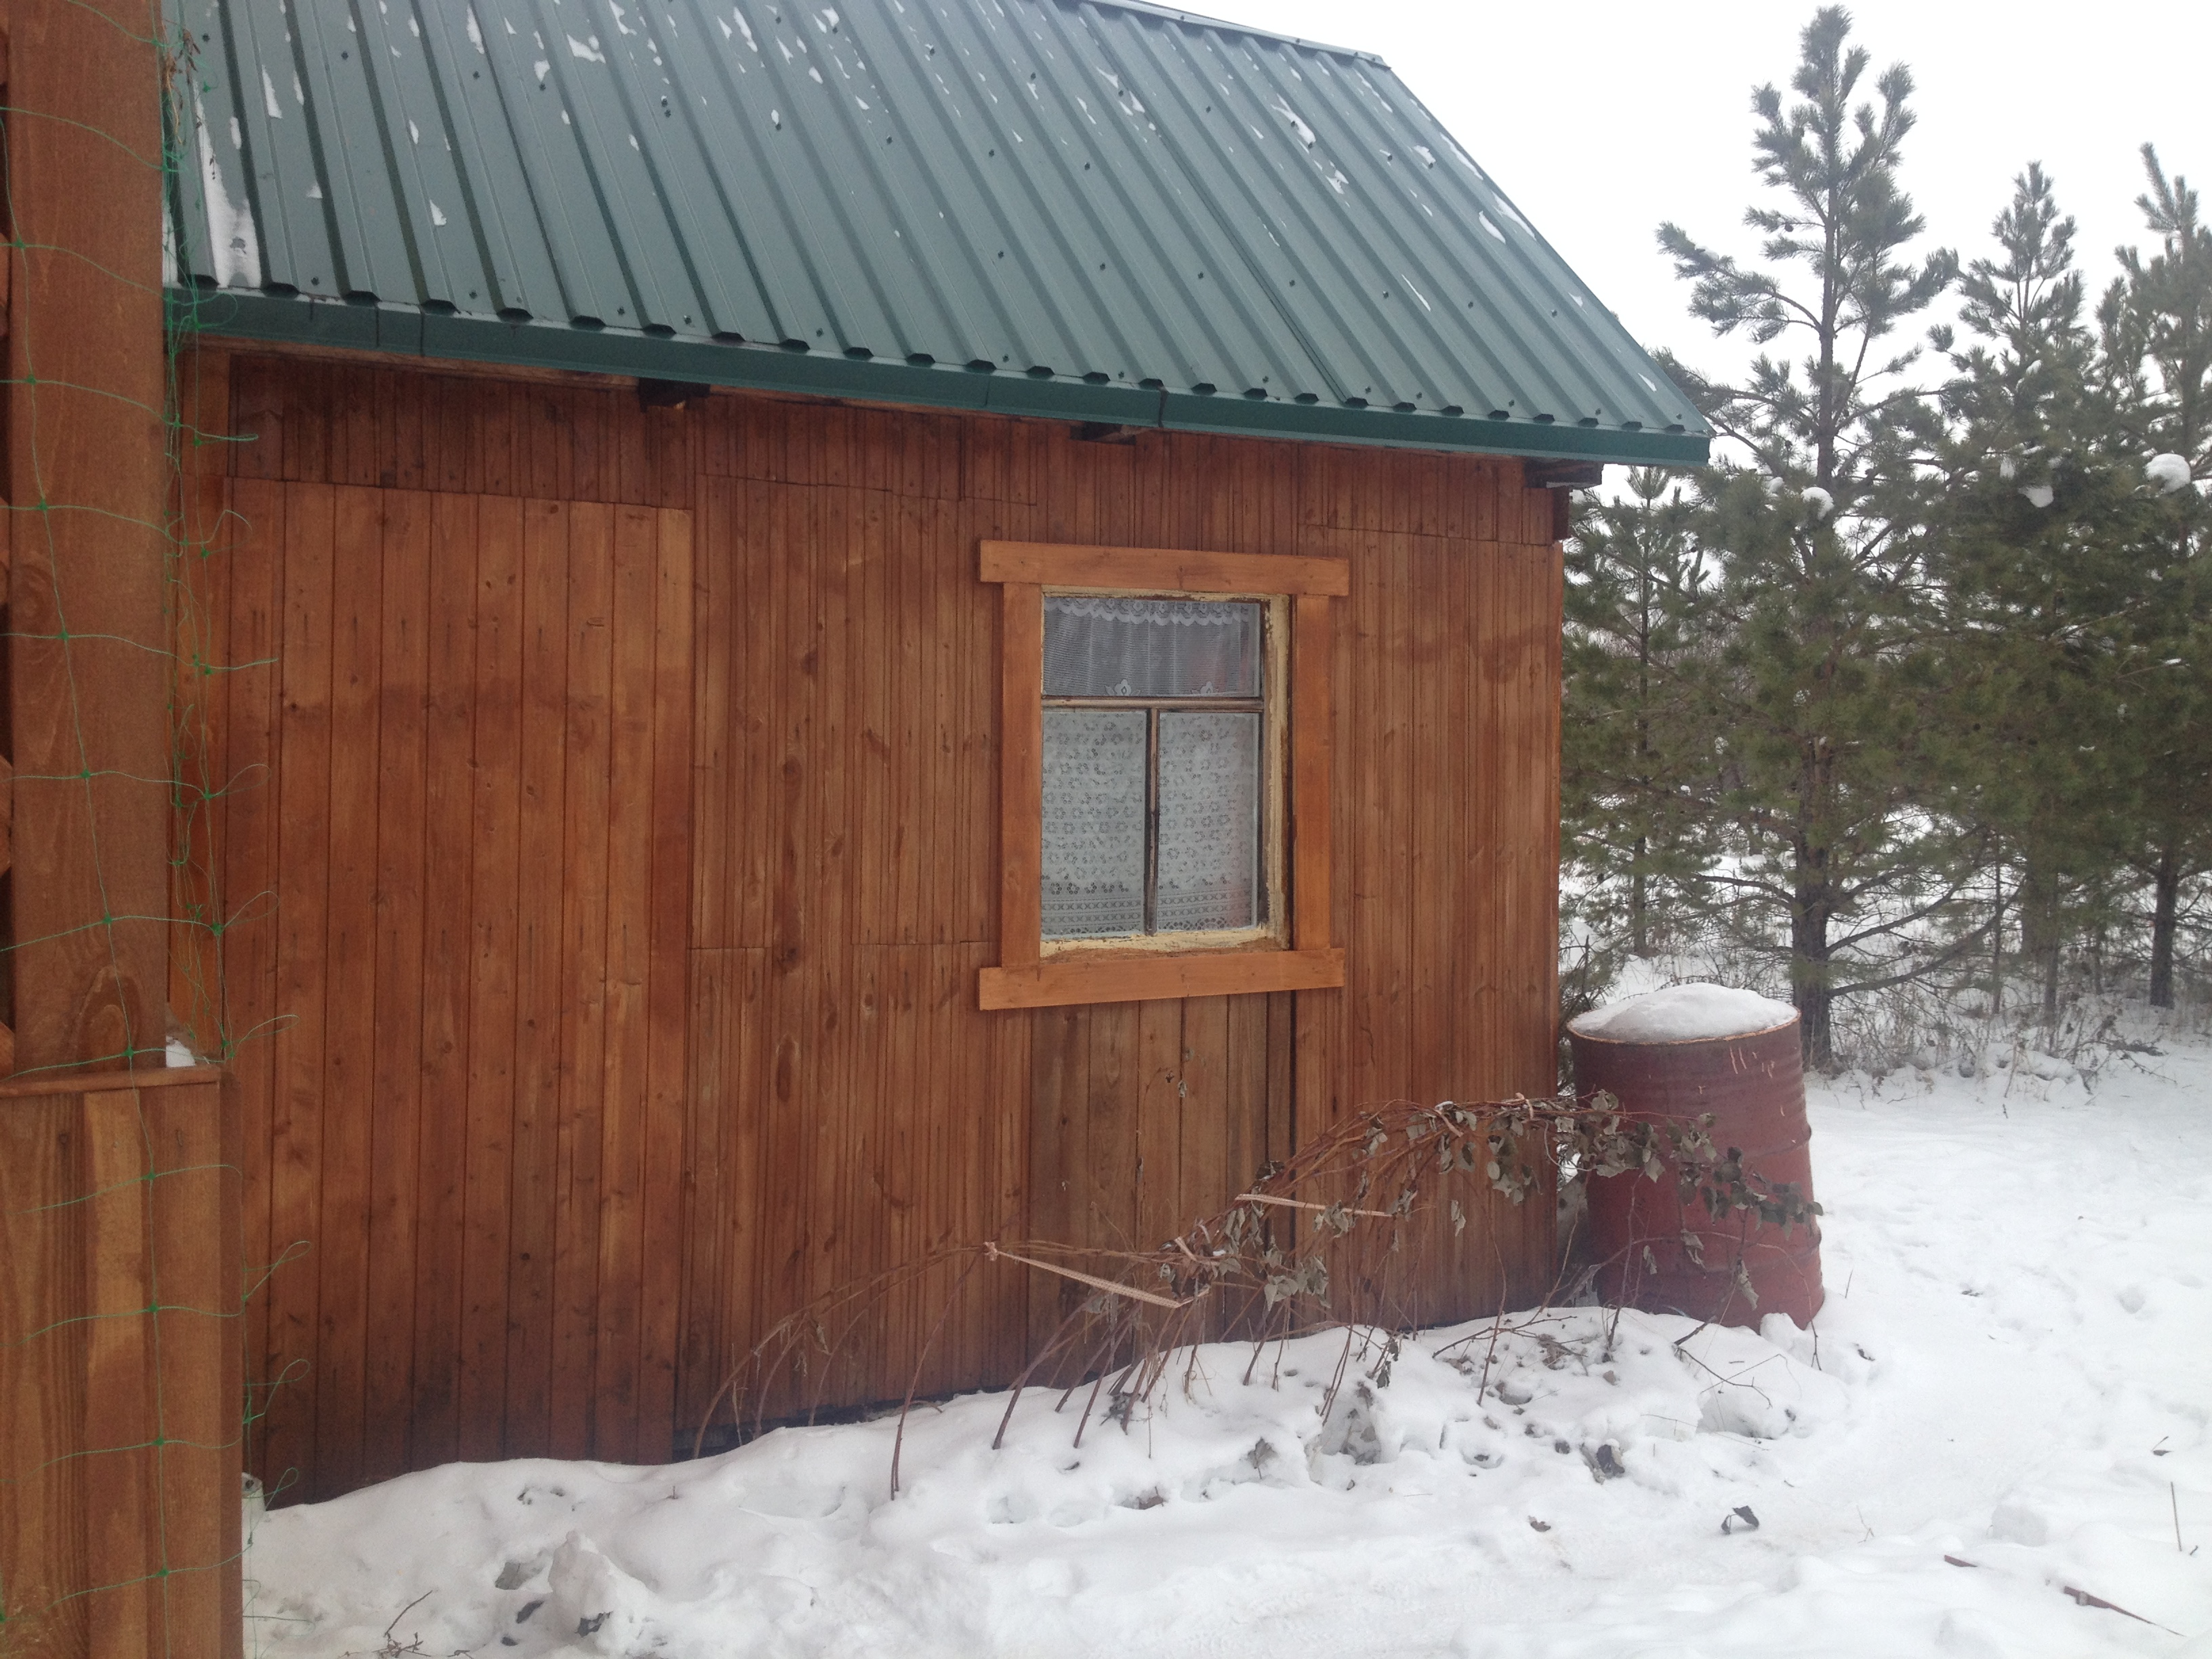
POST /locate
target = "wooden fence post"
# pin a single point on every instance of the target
(86, 479)
(121, 1367)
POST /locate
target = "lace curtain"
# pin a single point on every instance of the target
(1108, 647)
(1209, 861)
(1096, 761)
(1094, 822)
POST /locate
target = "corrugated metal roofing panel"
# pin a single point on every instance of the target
(1091, 209)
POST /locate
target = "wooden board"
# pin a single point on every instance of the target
(1164, 570)
(1312, 744)
(84, 463)
(481, 861)
(1088, 978)
(119, 1274)
(1021, 761)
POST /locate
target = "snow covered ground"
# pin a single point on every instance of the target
(2013, 1371)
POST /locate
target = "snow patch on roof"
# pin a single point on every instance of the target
(233, 244)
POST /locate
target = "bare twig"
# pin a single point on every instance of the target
(898, 1440)
(1380, 1187)
(992, 1253)
(2088, 1600)
(1306, 1204)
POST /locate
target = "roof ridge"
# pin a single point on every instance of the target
(1176, 15)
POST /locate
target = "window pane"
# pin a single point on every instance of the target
(1094, 822)
(1103, 648)
(1209, 872)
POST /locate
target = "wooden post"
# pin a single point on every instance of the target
(121, 1367)
(86, 482)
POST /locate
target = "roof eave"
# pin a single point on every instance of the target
(404, 330)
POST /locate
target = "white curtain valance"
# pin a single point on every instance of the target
(1116, 647)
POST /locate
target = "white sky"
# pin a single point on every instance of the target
(1601, 119)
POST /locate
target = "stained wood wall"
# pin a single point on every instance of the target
(551, 1176)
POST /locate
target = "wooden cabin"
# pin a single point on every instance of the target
(832, 632)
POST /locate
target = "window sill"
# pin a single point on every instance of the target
(1082, 977)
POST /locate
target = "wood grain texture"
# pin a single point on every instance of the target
(120, 1275)
(1161, 570)
(713, 803)
(1087, 978)
(442, 1218)
(1020, 979)
(1021, 778)
(1312, 740)
(83, 469)
(480, 768)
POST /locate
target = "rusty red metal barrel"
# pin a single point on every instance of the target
(1679, 1054)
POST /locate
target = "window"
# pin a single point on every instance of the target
(1155, 739)
(1164, 774)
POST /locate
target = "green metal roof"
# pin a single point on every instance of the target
(1089, 210)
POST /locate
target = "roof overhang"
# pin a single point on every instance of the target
(407, 331)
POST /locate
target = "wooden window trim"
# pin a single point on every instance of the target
(1025, 978)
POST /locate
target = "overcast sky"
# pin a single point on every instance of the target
(1601, 119)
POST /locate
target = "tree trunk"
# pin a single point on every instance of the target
(1996, 945)
(2167, 880)
(2038, 930)
(1808, 978)
(1640, 942)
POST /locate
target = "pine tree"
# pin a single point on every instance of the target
(1636, 748)
(2155, 335)
(2033, 572)
(1819, 558)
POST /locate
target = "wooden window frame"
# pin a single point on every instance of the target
(1026, 976)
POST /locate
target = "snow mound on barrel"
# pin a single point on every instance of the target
(1684, 1013)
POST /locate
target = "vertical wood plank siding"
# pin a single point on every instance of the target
(614, 849)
